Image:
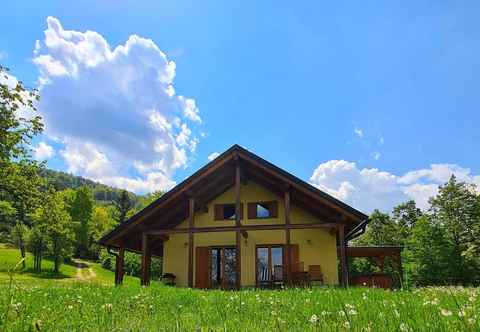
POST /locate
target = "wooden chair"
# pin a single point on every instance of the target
(299, 276)
(278, 275)
(315, 273)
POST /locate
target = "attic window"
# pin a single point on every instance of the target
(262, 210)
(227, 211)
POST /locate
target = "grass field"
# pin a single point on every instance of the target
(86, 271)
(93, 304)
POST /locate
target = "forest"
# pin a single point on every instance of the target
(56, 215)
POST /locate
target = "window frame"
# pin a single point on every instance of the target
(273, 209)
(219, 212)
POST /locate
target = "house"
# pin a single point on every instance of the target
(241, 221)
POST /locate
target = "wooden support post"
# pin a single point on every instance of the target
(146, 258)
(343, 255)
(238, 223)
(191, 222)
(119, 266)
(287, 236)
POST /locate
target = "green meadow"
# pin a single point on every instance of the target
(90, 302)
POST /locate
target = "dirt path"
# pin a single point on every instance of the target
(84, 271)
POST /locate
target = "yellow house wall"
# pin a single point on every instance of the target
(316, 246)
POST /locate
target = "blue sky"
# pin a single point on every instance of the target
(373, 102)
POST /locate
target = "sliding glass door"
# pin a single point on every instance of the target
(269, 265)
(223, 262)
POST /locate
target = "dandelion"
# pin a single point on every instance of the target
(341, 313)
(396, 313)
(313, 319)
(461, 313)
(446, 312)
(70, 307)
(346, 324)
(471, 321)
(403, 327)
(352, 312)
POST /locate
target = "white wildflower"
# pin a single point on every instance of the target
(313, 319)
(446, 312)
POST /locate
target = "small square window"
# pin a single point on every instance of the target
(229, 211)
(263, 210)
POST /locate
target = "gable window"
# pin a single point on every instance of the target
(227, 211)
(262, 210)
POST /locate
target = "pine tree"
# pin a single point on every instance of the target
(123, 205)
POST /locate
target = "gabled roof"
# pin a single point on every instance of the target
(215, 178)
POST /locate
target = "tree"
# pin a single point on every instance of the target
(81, 210)
(381, 230)
(18, 173)
(37, 244)
(426, 253)
(58, 227)
(16, 130)
(123, 204)
(102, 222)
(18, 236)
(456, 209)
(405, 216)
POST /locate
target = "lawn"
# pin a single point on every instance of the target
(89, 271)
(89, 302)
(50, 305)
(9, 258)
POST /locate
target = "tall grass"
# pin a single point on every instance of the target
(50, 305)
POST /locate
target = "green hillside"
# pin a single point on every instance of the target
(102, 193)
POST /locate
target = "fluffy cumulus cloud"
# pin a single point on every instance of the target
(43, 151)
(115, 109)
(369, 188)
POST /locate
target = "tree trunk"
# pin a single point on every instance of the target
(22, 253)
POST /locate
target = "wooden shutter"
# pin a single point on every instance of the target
(294, 258)
(273, 209)
(202, 267)
(218, 212)
(252, 210)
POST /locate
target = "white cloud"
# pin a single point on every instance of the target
(43, 151)
(369, 188)
(213, 156)
(115, 109)
(376, 155)
(358, 132)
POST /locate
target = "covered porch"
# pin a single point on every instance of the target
(377, 255)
